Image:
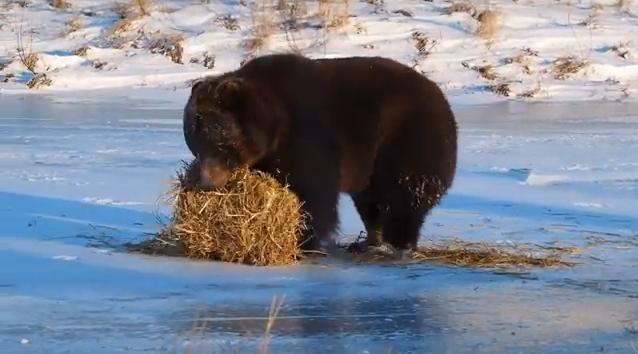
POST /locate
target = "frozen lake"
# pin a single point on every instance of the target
(80, 175)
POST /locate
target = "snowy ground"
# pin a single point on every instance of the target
(99, 44)
(78, 179)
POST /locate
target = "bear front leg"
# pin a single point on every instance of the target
(314, 177)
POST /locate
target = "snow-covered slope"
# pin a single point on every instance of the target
(528, 50)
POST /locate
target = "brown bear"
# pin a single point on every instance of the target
(367, 126)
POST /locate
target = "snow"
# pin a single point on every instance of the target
(85, 161)
(531, 36)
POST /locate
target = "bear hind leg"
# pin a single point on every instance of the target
(370, 212)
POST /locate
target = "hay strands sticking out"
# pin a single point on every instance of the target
(253, 220)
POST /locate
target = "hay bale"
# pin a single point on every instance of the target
(253, 219)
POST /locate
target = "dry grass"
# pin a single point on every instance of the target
(82, 52)
(120, 26)
(566, 66)
(502, 89)
(141, 7)
(623, 5)
(486, 71)
(60, 4)
(461, 6)
(26, 55)
(489, 25)
(334, 14)
(170, 46)
(197, 334)
(207, 60)
(228, 22)
(263, 19)
(273, 313)
(476, 255)
(252, 220)
(620, 50)
(423, 44)
(39, 81)
(74, 24)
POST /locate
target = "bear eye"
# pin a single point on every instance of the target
(198, 121)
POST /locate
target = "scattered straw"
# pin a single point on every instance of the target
(253, 219)
(474, 255)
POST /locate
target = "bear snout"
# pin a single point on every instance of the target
(213, 174)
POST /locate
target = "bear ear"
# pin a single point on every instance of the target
(228, 93)
(196, 83)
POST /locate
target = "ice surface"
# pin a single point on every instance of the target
(79, 179)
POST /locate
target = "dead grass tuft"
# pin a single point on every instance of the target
(60, 4)
(461, 6)
(30, 61)
(170, 46)
(207, 60)
(82, 52)
(142, 7)
(133, 9)
(405, 13)
(120, 26)
(488, 24)
(38, 81)
(252, 220)
(623, 5)
(423, 44)
(263, 26)
(26, 55)
(74, 24)
(334, 14)
(620, 50)
(566, 66)
(502, 89)
(228, 22)
(486, 71)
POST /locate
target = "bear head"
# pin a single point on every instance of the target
(228, 124)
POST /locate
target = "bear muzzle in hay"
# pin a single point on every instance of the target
(253, 219)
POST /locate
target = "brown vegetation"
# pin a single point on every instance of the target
(170, 46)
(60, 4)
(566, 66)
(475, 255)
(423, 44)
(488, 24)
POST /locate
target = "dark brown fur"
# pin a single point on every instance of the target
(369, 127)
